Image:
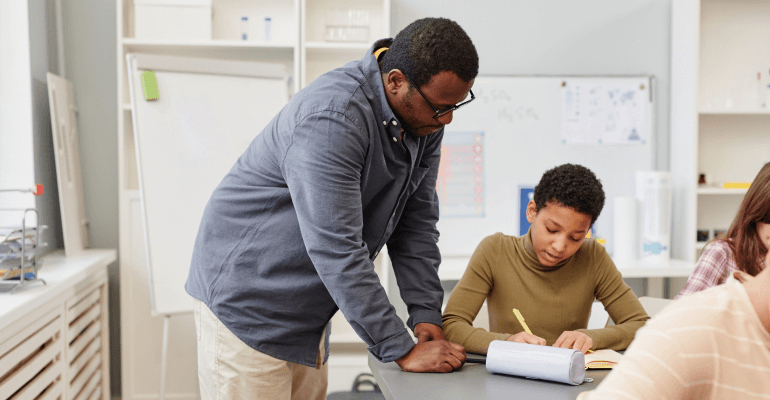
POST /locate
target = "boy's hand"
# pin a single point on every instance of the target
(524, 337)
(574, 340)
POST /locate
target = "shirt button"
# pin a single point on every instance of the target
(395, 123)
(394, 139)
(384, 122)
(394, 215)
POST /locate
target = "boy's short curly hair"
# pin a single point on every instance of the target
(574, 186)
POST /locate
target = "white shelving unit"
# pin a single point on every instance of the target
(718, 126)
(297, 40)
(715, 191)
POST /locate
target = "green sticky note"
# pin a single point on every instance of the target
(149, 85)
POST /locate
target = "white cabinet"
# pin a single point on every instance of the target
(54, 338)
(719, 125)
(295, 35)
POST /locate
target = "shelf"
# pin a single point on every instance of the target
(126, 107)
(700, 245)
(240, 44)
(355, 50)
(755, 111)
(230, 49)
(721, 191)
(338, 45)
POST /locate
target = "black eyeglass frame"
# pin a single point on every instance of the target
(445, 111)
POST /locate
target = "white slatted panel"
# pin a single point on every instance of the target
(14, 341)
(93, 382)
(33, 389)
(93, 330)
(32, 359)
(84, 333)
(54, 392)
(85, 376)
(86, 355)
(96, 394)
(93, 313)
(83, 304)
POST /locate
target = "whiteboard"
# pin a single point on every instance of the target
(519, 122)
(207, 114)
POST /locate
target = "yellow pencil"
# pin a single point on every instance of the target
(521, 321)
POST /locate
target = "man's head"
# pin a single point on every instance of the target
(568, 200)
(438, 57)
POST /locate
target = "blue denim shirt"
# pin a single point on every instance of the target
(289, 235)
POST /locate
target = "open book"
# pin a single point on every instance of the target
(602, 359)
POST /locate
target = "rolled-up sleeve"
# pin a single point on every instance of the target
(322, 168)
(413, 247)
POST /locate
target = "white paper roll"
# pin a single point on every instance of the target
(626, 230)
(533, 361)
(653, 189)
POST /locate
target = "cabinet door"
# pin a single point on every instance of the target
(87, 357)
(31, 360)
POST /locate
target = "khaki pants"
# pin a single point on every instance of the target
(229, 369)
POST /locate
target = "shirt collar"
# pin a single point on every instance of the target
(374, 76)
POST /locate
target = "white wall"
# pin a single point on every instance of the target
(90, 45)
(562, 37)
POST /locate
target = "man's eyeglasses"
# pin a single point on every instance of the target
(444, 111)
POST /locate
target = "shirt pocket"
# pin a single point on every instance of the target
(417, 176)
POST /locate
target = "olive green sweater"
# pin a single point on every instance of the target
(505, 271)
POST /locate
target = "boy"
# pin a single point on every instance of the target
(551, 274)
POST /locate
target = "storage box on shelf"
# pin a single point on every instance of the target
(178, 20)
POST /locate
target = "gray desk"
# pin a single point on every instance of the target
(472, 381)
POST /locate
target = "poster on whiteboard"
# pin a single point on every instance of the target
(603, 112)
(460, 183)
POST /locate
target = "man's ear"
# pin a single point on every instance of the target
(741, 276)
(394, 81)
(531, 211)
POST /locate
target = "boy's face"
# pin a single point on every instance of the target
(557, 231)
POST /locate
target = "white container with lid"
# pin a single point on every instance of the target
(173, 20)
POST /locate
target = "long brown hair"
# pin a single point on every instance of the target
(742, 237)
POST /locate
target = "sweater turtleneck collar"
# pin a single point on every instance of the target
(531, 255)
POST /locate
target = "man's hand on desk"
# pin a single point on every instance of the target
(433, 356)
(432, 353)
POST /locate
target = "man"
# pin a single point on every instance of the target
(289, 235)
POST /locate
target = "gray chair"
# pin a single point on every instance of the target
(357, 392)
(654, 305)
